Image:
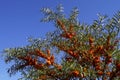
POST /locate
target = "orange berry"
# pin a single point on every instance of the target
(70, 52)
(108, 73)
(48, 62)
(100, 73)
(91, 51)
(75, 55)
(39, 53)
(68, 35)
(75, 73)
(48, 58)
(100, 48)
(97, 67)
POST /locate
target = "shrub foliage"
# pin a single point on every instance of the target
(74, 51)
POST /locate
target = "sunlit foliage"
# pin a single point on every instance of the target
(73, 51)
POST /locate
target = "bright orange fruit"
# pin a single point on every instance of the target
(75, 73)
(100, 73)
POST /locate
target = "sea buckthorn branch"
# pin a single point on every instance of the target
(31, 62)
(66, 33)
(91, 52)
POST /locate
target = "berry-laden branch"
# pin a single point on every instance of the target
(85, 52)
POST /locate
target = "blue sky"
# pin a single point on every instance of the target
(20, 19)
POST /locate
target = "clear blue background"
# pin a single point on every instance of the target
(20, 19)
